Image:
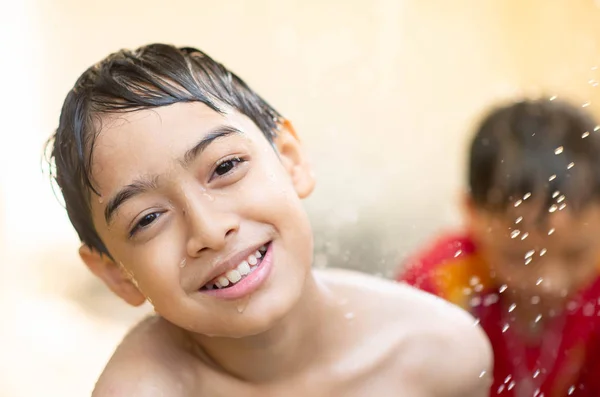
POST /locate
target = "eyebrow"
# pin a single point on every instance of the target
(145, 184)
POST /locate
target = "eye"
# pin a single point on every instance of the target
(144, 222)
(227, 166)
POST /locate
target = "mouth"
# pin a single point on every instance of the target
(237, 275)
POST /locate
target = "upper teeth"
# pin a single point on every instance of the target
(243, 269)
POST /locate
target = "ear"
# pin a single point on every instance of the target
(113, 275)
(294, 160)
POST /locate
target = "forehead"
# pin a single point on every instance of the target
(147, 142)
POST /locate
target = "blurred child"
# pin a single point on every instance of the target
(527, 263)
(185, 188)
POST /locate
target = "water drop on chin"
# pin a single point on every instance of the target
(100, 200)
(242, 304)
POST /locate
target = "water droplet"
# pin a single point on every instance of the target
(349, 316)
(503, 288)
(560, 199)
(571, 165)
(539, 281)
(457, 253)
(476, 322)
(526, 196)
(467, 291)
(571, 390)
(478, 288)
(505, 328)
(242, 304)
(538, 318)
(536, 373)
(518, 203)
(585, 105)
(562, 206)
(543, 251)
(482, 374)
(519, 219)
(524, 236)
(511, 385)
(512, 307)
(553, 97)
(475, 301)
(558, 150)
(585, 134)
(507, 379)
(100, 200)
(551, 231)
(596, 128)
(515, 233)
(529, 254)
(182, 263)
(588, 309)
(535, 300)
(528, 261)
(556, 194)
(553, 208)
(552, 177)
(500, 389)
(474, 281)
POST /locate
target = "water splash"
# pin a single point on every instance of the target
(528, 261)
(585, 134)
(526, 196)
(556, 194)
(562, 206)
(503, 288)
(518, 220)
(518, 203)
(538, 318)
(524, 236)
(551, 231)
(543, 251)
(529, 254)
(512, 307)
(515, 233)
(571, 390)
(553, 208)
(552, 177)
(457, 253)
(505, 328)
(559, 150)
(571, 165)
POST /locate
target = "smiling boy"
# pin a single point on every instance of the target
(185, 188)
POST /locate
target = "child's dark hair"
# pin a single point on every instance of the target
(148, 77)
(535, 149)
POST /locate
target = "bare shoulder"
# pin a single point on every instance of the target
(146, 363)
(428, 334)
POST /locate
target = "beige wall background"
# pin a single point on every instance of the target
(383, 93)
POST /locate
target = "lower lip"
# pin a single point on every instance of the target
(248, 284)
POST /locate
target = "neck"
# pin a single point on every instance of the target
(529, 319)
(285, 349)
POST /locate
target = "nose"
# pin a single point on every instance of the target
(554, 279)
(209, 225)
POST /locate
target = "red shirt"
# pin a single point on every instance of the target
(567, 361)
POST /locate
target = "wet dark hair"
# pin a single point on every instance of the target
(151, 76)
(534, 149)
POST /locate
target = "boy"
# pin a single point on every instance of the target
(184, 187)
(527, 264)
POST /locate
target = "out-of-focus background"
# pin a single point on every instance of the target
(383, 92)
